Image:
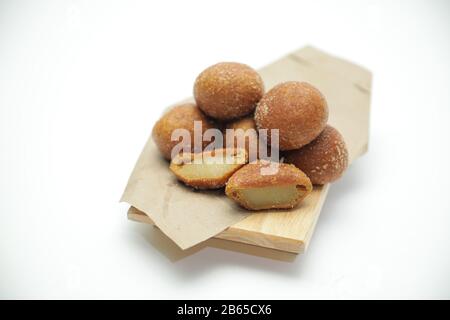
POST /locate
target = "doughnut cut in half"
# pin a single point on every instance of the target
(209, 169)
(274, 188)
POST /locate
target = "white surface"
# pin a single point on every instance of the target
(82, 82)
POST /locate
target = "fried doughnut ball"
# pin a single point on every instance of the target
(228, 90)
(181, 116)
(297, 109)
(242, 123)
(324, 159)
(285, 188)
(247, 136)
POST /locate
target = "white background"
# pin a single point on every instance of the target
(82, 82)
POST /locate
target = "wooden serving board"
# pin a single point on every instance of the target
(347, 89)
(282, 231)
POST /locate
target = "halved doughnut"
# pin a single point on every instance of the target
(279, 187)
(209, 169)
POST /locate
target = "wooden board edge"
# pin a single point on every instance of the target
(310, 232)
(238, 235)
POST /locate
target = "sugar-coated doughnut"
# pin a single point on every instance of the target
(285, 188)
(244, 132)
(228, 90)
(324, 159)
(297, 109)
(179, 117)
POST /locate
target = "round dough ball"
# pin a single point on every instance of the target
(242, 123)
(228, 90)
(297, 109)
(179, 117)
(247, 135)
(324, 159)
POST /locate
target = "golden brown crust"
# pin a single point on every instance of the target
(297, 109)
(199, 181)
(324, 159)
(203, 183)
(181, 116)
(250, 177)
(228, 90)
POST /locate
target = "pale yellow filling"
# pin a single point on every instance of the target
(270, 197)
(206, 171)
(208, 166)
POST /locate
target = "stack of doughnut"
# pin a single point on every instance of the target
(232, 95)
